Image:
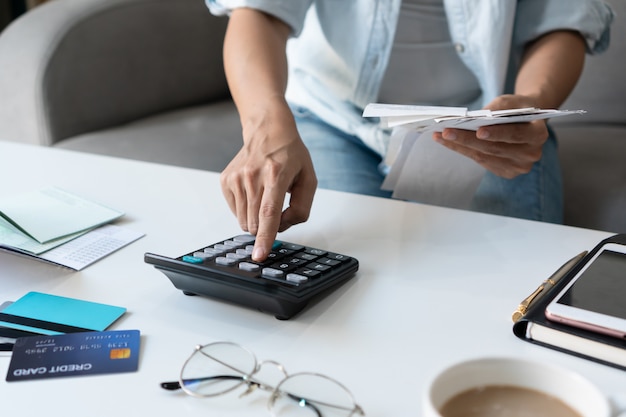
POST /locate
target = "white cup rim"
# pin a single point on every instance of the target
(544, 377)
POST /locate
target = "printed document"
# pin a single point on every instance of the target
(424, 171)
(52, 213)
(57, 226)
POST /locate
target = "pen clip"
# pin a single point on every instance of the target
(546, 285)
(523, 307)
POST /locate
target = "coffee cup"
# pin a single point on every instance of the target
(489, 386)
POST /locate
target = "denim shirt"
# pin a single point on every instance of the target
(340, 48)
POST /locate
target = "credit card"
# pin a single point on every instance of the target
(49, 314)
(74, 354)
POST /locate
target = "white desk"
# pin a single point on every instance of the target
(435, 286)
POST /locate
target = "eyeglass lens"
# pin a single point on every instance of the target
(216, 369)
(310, 394)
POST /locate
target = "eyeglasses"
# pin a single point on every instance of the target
(221, 367)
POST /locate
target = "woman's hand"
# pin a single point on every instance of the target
(507, 150)
(272, 163)
(548, 72)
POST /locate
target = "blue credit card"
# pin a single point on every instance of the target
(49, 314)
(74, 354)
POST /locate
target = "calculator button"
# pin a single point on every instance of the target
(231, 243)
(326, 261)
(337, 257)
(294, 262)
(292, 246)
(242, 239)
(281, 265)
(202, 255)
(192, 259)
(236, 256)
(284, 251)
(249, 266)
(272, 273)
(311, 273)
(306, 256)
(269, 261)
(222, 260)
(296, 278)
(245, 252)
(271, 258)
(318, 267)
(316, 252)
(221, 246)
(214, 251)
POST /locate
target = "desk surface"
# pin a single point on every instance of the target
(435, 286)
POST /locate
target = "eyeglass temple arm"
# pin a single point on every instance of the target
(303, 402)
(175, 385)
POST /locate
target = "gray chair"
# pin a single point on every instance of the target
(593, 147)
(140, 79)
(143, 79)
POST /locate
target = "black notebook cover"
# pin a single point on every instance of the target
(536, 316)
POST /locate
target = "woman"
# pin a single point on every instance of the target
(300, 102)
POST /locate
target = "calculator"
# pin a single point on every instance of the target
(289, 279)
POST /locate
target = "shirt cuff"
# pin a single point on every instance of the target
(292, 12)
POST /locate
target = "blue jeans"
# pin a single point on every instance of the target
(342, 162)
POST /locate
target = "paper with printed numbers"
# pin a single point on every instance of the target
(424, 171)
(92, 246)
(57, 226)
(82, 251)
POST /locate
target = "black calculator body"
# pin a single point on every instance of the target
(290, 278)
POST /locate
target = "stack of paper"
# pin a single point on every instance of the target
(439, 118)
(422, 170)
(55, 225)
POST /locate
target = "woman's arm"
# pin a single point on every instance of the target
(551, 67)
(273, 160)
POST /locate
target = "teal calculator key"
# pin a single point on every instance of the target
(277, 244)
(192, 259)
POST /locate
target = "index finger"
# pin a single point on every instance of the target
(270, 212)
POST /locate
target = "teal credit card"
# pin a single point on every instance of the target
(75, 354)
(49, 314)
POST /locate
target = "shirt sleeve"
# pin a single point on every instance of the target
(591, 18)
(292, 12)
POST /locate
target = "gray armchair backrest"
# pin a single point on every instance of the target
(75, 66)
